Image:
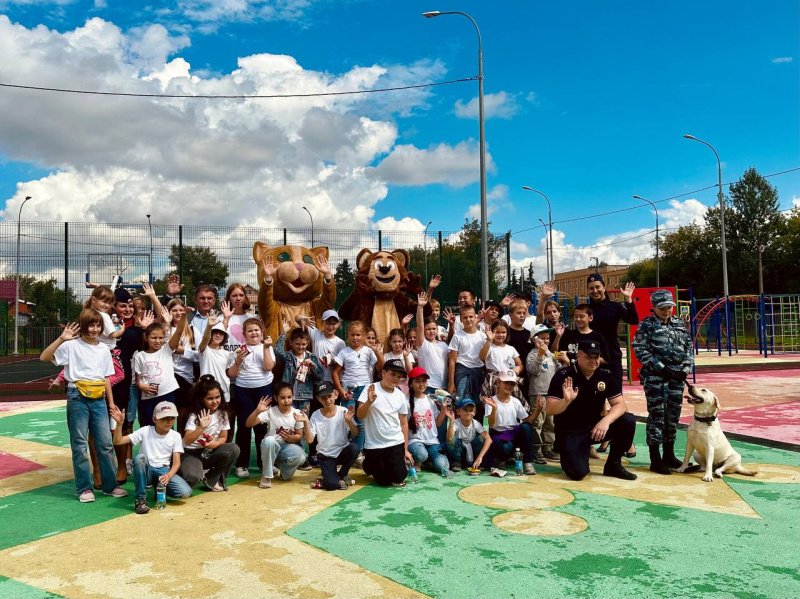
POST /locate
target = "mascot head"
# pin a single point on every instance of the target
(297, 278)
(386, 270)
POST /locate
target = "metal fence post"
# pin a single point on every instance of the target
(66, 272)
(380, 240)
(285, 237)
(180, 253)
(508, 259)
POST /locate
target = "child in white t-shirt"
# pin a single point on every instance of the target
(159, 457)
(466, 437)
(324, 342)
(465, 367)
(509, 423)
(280, 448)
(155, 374)
(498, 356)
(424, 417)
(214, 359)
(330, 426)
(432, 353)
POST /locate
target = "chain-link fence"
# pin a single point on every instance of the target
(56, 260)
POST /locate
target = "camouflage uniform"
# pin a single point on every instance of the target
(666, 353)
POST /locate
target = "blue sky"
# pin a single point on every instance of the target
(586, 101)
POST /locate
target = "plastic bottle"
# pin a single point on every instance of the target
(518, 461)
(161, 496)
(412, 473)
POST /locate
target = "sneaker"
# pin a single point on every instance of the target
(117, 492)
(317, 484)
(447, 474)
(242, 472)
(343, 485)
(539, 459)
(305, 466)
(140, 506)
(360, 461)
(265, 483)
(275, 472)
(86, 496)
(129, 466)
(217, 488)
(456, 467)
(527, 468)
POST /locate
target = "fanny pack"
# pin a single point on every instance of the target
(91, 389)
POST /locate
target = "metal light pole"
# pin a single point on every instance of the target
(150, 257)
(425, 249)
(482, 142)
(549, 220)
(658, 269)
(16, 294)
(547, 250)
(312, 225)
(721, 198)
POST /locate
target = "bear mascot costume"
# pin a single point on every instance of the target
(385, 291)
(292, 281)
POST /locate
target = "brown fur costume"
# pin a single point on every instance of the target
(384, 293)
(298, 287)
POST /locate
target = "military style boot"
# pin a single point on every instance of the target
(657, 465)
(669, 458)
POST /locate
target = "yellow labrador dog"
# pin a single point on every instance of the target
(707, 441)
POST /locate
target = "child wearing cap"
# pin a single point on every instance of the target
(466, 438)
(324, 341)
(509, 423)
(424, 418)
(159, 458)
(214, 359)
(330, 426)
(541, 366)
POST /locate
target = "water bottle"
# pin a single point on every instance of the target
(518, 461)
(412, 473)
(161, 496)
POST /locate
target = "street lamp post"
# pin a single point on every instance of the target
(482, 143)
(312, 225)
(721, 198)
(550, 221)
(150, 257)
(547, 250)
(16, 294)
(425, 249)
(658, 269)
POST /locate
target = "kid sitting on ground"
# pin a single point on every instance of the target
(509, 423)
(423, 419)
(159, 458)
(280, 449)
(541, 366)
(330, 426)
(466, 438)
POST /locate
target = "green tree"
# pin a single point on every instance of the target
(201, 266)
(345, 278)
(689, 259)
(48, 301)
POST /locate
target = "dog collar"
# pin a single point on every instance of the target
(707, 419)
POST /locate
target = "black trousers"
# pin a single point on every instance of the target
(328, 464)
(387, 466)
(573, 446)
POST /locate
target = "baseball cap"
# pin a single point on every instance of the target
(394, 364)
(330, 314)
(418, 371)
(588, 346)
(463, 403)
(541, 328)
(507, 376)
(661, 298)
(323, 388)
(165, 409)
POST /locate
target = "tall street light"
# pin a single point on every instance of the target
(547, 250)
(312, 225)
(549, 220)
(150, 257)
(482, 142)
(425, 249)
(658, 269)
(721, 198)
(16, 294)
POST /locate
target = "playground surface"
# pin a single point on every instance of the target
(543, 535)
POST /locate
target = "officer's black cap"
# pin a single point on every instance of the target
(588, 346)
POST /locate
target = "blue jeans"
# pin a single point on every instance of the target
(144, 474)
(468, 384)
(85, 416)
(285, 456)
(456, 450)
(359, 438)
(423, 454)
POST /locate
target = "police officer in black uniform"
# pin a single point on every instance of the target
(576, 397)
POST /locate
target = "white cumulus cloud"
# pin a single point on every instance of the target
(501, 105)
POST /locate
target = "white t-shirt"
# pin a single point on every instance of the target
(501, 357)
(275, 419)
(157, 368)
(108, 328)
(251, 371)
(529, 324)
(331, 432)
(382, 424)
(157, 448)
(183, 364)
(425, 414)
(468, 346)
(433, 358)
(356, 366)
(215, 362)
(236, 331)
(467, 433)
(508, 413)
(326, 349)
(218, 424)
(83, 361)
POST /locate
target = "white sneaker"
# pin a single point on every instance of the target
(117, 492)
(86, 496)
(129, 466)
(360, 461)
(265, 483)
(242, 472)
(527, 468)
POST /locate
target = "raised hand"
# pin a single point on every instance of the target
(148, 289)
(350, 414)
(448, 411)
(481, 315)
(569, 392)
(560, 329)
(204, 419)
(488, 401)
(174, 286)
(449, 316)
(147, 319)
(489, 334)
(286, 326)
(300, 417)
(267, 340)
(406, 319)
(269, 268)
(540, 344)
(422, 299)
(263, 404)
(323, 265)
(71, 331)
(627, 292)
(166, 316)
(506, 300)
(372, 395)
(225, 308)
(548, 290)
(117, 414)
(436, 280)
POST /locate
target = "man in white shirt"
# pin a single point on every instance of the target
(384, 410)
